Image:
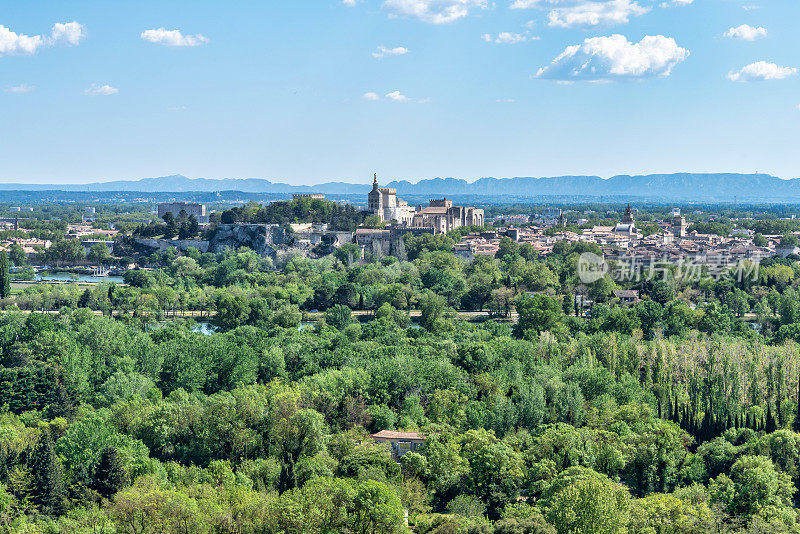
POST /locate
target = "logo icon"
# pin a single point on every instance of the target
(591, 267)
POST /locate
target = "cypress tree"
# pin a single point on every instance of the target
(111, 296)
(772, 425)
(706, 426)
(85, 300)
(689, 422)
(5, 276)
(566, 305)
(109, 473)
(48, 479)
(796, 423)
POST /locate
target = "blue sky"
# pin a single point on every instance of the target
(293, 91)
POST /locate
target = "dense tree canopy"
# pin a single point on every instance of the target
(234, 393)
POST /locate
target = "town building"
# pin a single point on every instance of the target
(551, 214)
(31, 247)
(513, 219)
(678, 223)
(442, 216)
(191, 208)
(627, 297)
(76, 231)
(312, 196)
(785, 251)
(627, 225)
(400, 442)
(383, 202)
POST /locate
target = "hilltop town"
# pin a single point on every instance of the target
(379, 228)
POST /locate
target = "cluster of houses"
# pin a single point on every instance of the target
(87, 235)
(623, 241)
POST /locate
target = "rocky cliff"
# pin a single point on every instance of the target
(265, 239)
(150, 245)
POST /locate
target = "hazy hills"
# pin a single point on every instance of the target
(181, 184)
(684, 186)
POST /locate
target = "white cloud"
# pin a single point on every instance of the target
(100, 90)
(676, 3)
(12, 43)
(349, 3)
(396, 51)
(505, 100)
(526, 4)
(760, 71)
(18, 89)
(508, 38)
(614, 57)
(173, 38)
(745, 32)
(590, 14)
(71, 33)
(585, 13)
(396, 96)
(433, 11)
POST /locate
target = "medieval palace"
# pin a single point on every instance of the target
(440, 215)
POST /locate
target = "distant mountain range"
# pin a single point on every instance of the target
(181, 184)
(719, 187)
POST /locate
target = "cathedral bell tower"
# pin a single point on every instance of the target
(374, 197)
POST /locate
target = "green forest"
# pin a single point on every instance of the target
(230, 393)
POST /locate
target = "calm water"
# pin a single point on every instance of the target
(71, 277)
(206, 328)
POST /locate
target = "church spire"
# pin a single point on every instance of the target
(375, 181)
(628, 217)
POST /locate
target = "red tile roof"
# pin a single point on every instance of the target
(392, 434)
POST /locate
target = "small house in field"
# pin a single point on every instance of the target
(627, 297)
(401, 442)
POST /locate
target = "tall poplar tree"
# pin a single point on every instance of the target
(5, 276)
